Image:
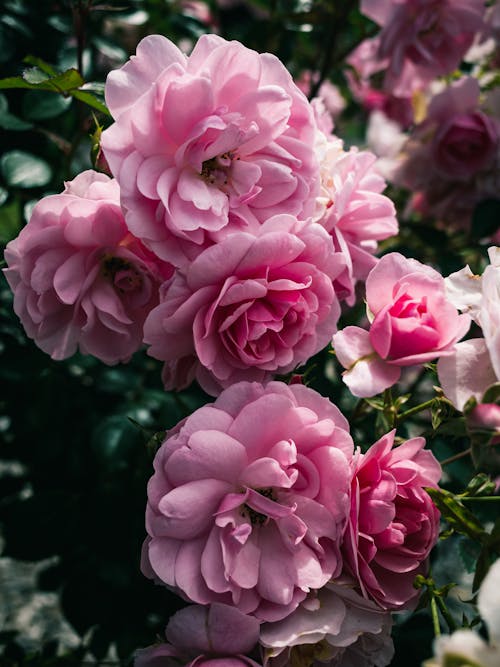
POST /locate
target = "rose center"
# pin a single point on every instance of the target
(257, 518)
(216, 170)
(121, 273)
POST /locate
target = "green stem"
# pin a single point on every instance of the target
(414, 411)
(452, 626)
(456, 457)
(490, 499)
(435, 617)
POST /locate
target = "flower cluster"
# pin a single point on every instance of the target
(260, 502)
(233, 230)
(445, 132)
(227, 238)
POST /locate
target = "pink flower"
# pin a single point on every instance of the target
(465, 139)
(393, 523)
(474, 364)
(218, 141)
(467, 372)
(413, 322)
(353, 210)
(249, 307)
(421, 39)
(451, 157)
(80, 279)
(334, 625)
(217, 635)
(249, 499)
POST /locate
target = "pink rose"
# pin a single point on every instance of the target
(249, 499)
(249, 307)
(422, 39)
(474, 364)
(216, 635)
(218, 141)
(465, 139)
(393, 523)
(413, 322)
(80, 279)
(353, 210)
(334, 625)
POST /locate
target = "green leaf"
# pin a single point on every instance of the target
(41, 64)
(457, 515)
(492, 394)
(36, 79)
(91, 101)
(24, 170)
(39, 105)
(34, 75)
(4, 195)
(10, 221)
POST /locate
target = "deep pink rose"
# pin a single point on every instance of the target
(353, 210)
(215, 636)
(421, 39)
(80, 279)
(248, 307)
(393, 523)
(218, 141)
(413, 322)
(249, 499)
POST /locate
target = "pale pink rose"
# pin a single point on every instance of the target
(204, 145)
(421, 39)
(249, 307)
(393, 523)
(334, 625)
(80, 279)
(217, 635)
(249, 499)
(467, 372)
(366, 373)
(353, 210)
(474, 364)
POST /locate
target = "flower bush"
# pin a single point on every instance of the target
(302, 323)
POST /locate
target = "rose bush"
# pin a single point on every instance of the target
(250, 498)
